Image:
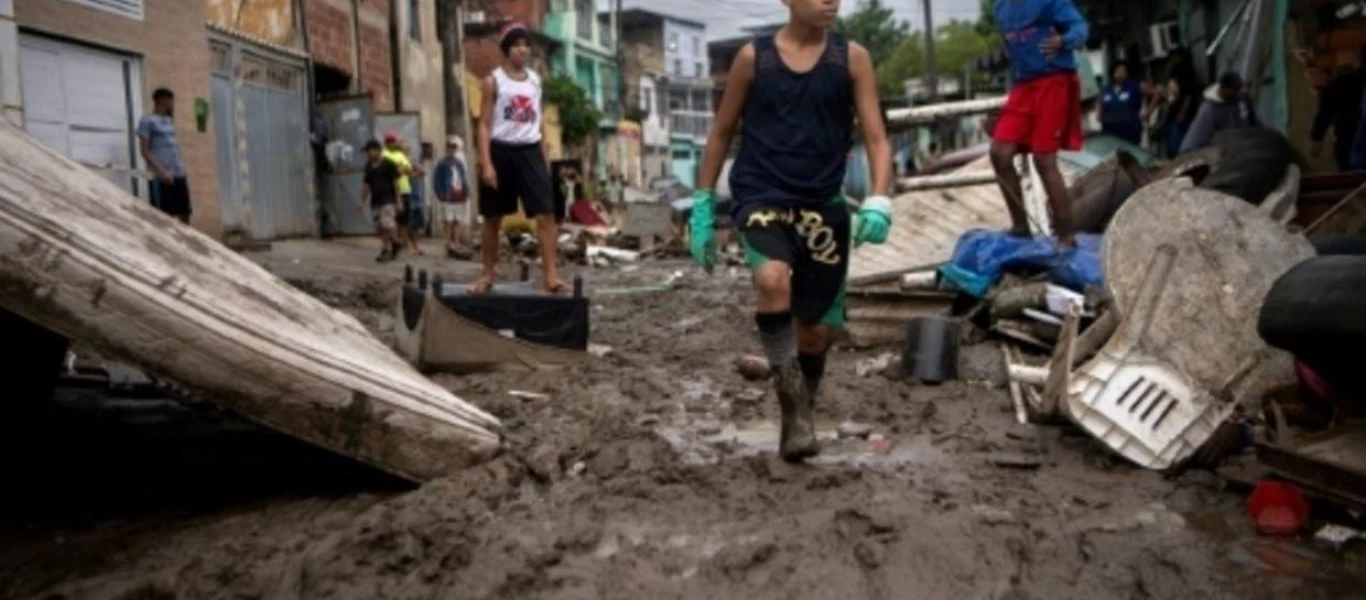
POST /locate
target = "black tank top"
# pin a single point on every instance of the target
(796, 130)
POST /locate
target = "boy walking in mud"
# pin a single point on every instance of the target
(1042, 114)
(513, 163)
(380, 183)
(797, 92)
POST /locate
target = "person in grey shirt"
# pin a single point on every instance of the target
(1226, 107)
(170, 192)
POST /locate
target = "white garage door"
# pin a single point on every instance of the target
(77, 100)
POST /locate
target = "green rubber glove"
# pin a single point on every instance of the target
(873, 221)
(702, 230)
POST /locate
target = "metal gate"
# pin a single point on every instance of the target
(349, 125)
(265, 165)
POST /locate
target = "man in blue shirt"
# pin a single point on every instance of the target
(1121, 107)
(170, 191)
(1042, 114)
(450, 183)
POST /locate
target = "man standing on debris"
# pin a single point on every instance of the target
(380, 183)
(450, 182)
(408, 213)
(797, 92)
(1042, 114)
(1340, 109)
(513, 162)
(1226, 107)
(169, 191)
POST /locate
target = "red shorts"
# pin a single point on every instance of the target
(1043, 115)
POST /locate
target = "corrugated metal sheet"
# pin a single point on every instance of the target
(927, 224)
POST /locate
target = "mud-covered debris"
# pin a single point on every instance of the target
(1008, 460)
(528, 395)
(600, 350)
(750, 396)
(851, 429)
(877, 364)
(753, 368)
(879, 444)
(991, 515)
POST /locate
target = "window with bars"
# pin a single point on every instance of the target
(132, 9)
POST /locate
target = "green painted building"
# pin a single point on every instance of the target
(589, 57)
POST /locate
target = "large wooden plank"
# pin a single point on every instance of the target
(85, 259)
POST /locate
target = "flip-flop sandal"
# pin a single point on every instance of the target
(559, 289)
(482, 286)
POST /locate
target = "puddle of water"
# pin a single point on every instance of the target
(696, 389)
(690, 549)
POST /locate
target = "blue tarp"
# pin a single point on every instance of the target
(982, 256)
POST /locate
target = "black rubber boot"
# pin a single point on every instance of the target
(798, 439)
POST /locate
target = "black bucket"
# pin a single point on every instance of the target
(931, 354)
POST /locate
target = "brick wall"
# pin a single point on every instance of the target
(377, 66)
(330, 29)
(529, 12)
(482, 55)
(329, 34)
(173, 43)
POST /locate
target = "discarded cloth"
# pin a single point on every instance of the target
(982, 256)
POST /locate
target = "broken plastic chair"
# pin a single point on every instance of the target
(1187, 269)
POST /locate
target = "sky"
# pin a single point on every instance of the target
(725, 18)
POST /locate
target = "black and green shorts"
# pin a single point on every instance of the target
(815, 243)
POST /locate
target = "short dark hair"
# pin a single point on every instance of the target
(511, 38)
(373, 145)
(1230, 79)
(162, 94)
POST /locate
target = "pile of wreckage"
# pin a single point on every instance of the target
(1211, 305)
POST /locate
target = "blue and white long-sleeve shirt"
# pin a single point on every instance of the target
(1026, 23)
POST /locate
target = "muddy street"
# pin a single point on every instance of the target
(648, 473)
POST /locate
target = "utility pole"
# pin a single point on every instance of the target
(931, 65)
(448, 30)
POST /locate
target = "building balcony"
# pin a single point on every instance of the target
(690, 124)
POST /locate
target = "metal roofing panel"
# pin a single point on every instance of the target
(926, 224)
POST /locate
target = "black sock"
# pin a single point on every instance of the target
(813, 369)
(777, 336)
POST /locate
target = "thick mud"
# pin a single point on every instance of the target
(648, 473)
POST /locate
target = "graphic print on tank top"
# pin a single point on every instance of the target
(517, 108)
(520, 109)
(796, 130)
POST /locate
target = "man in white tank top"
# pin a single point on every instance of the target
(513, 163)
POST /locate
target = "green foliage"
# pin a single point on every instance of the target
(986, 21)
(907, 61)
(875, 27)
(957, 44)
(579, 119)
